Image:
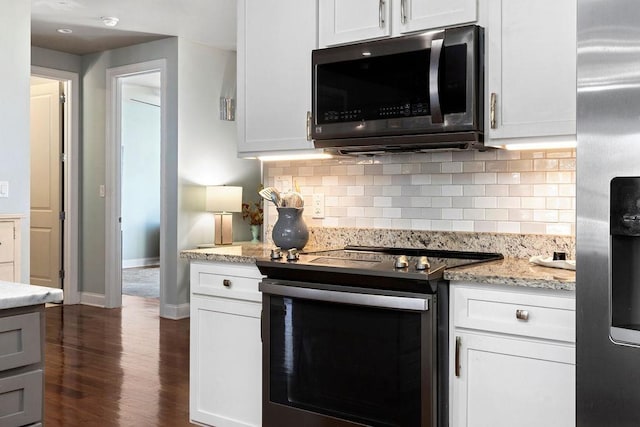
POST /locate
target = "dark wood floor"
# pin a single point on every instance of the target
(116, 367)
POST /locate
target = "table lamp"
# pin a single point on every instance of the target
(222, 200)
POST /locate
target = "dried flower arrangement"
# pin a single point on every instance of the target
(253, 212)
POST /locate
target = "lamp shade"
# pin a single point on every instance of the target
(223, 198)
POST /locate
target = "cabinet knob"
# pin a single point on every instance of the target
(226, 283)
(522, 315)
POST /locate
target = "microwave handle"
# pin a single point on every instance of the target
(434, 90)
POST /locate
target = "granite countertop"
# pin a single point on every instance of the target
(236, 252)
(509, 271)
(514, 272)
(14, 295)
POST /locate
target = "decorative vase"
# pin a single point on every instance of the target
(255, 233)
(290, 231)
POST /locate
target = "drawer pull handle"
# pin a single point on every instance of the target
(522, 315)
(226, 283)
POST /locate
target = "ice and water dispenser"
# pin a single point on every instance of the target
(625, 260)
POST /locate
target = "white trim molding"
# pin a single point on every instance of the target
(176, 312)
(71, 177)
(91, 298)
(113, 235)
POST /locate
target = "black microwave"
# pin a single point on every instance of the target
(411, 93)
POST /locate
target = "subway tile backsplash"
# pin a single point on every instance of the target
(522, 192)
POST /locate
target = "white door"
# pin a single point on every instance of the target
(275, 39)
(506, 382)
(531, 68)
(46, 177)
(417, 15)
(346, 21)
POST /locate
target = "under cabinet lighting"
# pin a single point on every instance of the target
(284, 157)
(540, 145)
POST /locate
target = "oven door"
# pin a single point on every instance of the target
(347, 358)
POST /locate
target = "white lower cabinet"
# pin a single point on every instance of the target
(512, 357)
(225, 386)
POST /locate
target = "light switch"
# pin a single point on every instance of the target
(4, 188)
(318, 206)
(101, 190)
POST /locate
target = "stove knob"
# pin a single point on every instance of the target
(292, 254)
(275, 253)
(422, 263)
(402, 262)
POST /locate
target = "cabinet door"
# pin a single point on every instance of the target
(346, 21)
(275, 39)
(225, 366)
(531, 68)
(417, 15)
(6, 241)
(511, 382)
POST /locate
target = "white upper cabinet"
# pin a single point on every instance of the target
(418, 15)
(348, 21)
(531, 72)
(275, 40)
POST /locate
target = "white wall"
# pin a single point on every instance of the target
(15, 29)
(57, 60)
(93, 174)
(207, 149)
(141, 140)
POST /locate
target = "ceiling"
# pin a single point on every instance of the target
(211, 22)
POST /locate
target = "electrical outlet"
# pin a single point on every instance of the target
(4, 188)
(318, 206)
(101, 190)
(284, 183)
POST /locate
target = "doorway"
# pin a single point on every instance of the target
(134, 169)
(54, 181)
(140, 135)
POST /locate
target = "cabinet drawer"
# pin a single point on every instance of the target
(237, 281)
(529, 313)
(21, 399)
(19, 340)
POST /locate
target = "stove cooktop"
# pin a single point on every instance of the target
(412, 269)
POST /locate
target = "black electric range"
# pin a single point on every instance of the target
(402, 269)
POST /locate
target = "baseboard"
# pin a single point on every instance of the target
(175, 312)
(140, 262)
(90, 298)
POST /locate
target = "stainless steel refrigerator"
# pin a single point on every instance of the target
(608, 213)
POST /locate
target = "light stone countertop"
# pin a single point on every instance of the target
(514, 272)
(14, 295)
(243, 252)
(509, 271)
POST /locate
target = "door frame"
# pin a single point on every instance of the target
(70, 235)
(113, 194)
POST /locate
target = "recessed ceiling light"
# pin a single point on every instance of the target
(110, 21)
(64, 30)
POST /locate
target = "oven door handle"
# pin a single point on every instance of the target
(422, 303)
